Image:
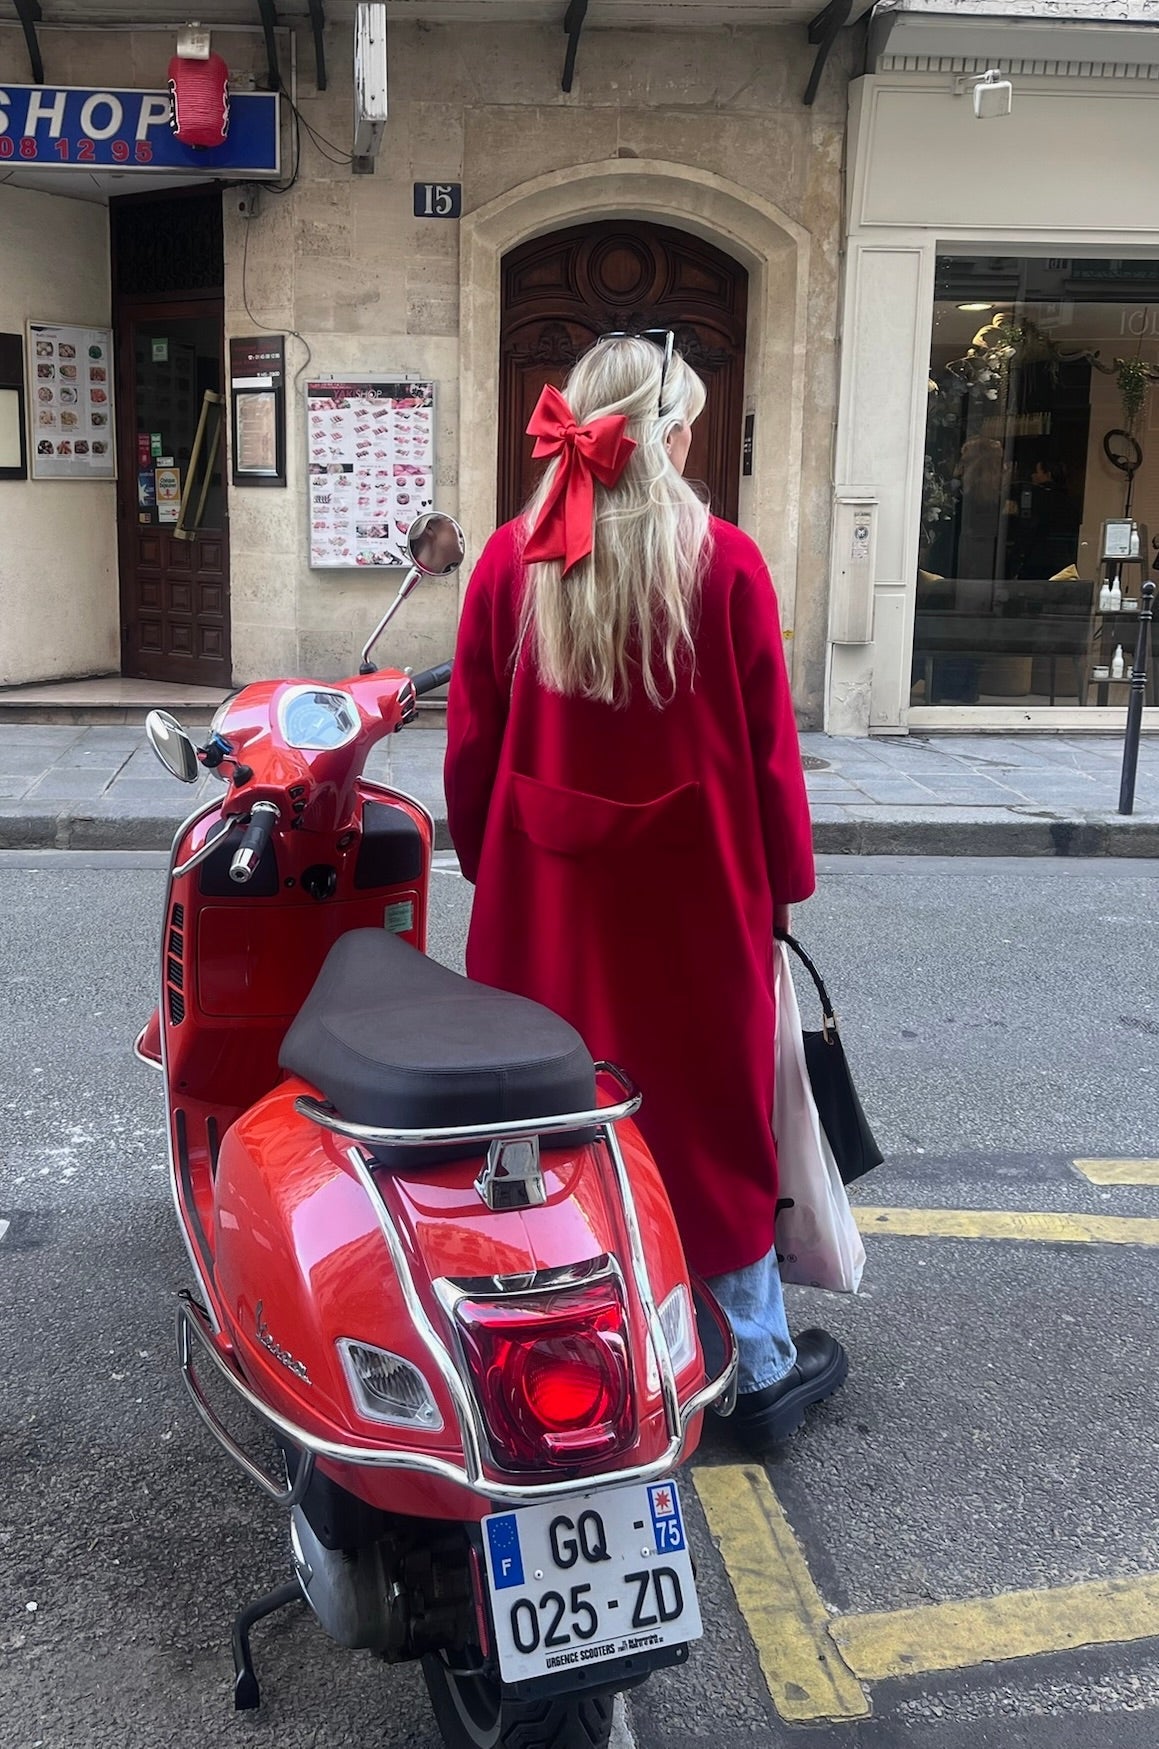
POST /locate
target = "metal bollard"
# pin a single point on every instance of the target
(1135, 701)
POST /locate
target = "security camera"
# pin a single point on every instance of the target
(993, 95)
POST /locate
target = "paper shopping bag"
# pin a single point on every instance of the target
(818, 1244)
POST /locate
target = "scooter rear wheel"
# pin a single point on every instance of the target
(474, 1711)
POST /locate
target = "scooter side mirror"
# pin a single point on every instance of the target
(172, 746)
(436, 545)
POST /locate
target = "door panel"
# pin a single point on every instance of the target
(174, 592)
(562, 291)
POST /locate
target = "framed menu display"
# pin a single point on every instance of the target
(371, 450)
(70, 402)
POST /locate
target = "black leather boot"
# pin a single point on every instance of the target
(767, 1417)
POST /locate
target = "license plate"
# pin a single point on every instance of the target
(599, 1576)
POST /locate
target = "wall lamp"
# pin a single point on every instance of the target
(993, 94)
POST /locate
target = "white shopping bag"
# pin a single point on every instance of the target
(818, 1243)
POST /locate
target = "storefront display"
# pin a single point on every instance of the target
(1041, 468)
(371, 461)
(71, 378)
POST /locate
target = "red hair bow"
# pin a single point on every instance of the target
(597, 451)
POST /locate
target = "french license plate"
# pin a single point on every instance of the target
(599, 1576)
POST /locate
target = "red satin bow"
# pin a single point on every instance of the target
(597, 451)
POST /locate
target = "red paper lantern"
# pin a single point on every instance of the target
(200, 93)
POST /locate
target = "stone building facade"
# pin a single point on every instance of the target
(701, 131)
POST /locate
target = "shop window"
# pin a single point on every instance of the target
(1042, 426)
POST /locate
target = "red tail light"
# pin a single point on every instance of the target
(553, 1376)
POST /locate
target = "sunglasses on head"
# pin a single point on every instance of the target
(664, 338)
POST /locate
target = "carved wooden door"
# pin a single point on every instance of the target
(563, 290)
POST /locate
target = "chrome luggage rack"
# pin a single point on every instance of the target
(470, 1474)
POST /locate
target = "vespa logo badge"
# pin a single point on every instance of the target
(279, 1353)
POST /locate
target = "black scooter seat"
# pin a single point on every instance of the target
(394, 1040)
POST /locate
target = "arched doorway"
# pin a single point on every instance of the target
(562, 290)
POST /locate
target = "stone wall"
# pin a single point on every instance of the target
(58, 567)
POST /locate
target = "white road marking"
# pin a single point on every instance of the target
(4, 1226)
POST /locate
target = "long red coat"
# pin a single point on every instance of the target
(626, 864)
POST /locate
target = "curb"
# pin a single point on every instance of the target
(958, 835)
(75, 831)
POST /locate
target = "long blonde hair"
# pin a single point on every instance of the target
(635, 592)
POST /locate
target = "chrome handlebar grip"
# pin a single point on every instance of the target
(263, 818)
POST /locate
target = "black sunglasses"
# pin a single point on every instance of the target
(664, 338)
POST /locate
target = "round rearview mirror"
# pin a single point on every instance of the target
(436, 545)
(172, 746)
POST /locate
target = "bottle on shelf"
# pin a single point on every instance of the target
(1134, 540)
(1105, 597)
(1116, 595)
(1118, 663)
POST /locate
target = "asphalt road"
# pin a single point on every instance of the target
(997, 1432)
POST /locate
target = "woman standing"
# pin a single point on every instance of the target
(624, 788)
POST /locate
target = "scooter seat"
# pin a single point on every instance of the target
(394, 1040)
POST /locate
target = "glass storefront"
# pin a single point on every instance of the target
(1041, 481)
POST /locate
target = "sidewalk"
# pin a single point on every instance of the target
(101, 788)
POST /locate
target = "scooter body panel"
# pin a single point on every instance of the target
(300, 1264)
(301, 1244)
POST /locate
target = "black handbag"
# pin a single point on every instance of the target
(844, 1122)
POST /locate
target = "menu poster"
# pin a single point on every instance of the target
(70, 377)
(371, 447)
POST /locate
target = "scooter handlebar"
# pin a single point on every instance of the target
(430, 679)
(263, 818)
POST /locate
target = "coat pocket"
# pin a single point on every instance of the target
(573, 822)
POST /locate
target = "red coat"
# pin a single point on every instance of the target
(626, 864)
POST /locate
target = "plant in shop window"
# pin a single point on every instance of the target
(1135, 381)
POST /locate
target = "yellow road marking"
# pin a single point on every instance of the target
(781, 1605)
(1008, 1224)
(1119, 1171)
(986, 1630)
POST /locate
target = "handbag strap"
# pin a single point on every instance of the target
(829, 1016)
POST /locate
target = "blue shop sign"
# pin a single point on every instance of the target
(67, 127)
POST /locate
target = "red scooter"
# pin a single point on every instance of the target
(440, 1309)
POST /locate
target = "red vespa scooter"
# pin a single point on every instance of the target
(432, 1257)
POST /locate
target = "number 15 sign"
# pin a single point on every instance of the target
(438, 200)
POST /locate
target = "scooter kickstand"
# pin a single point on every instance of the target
(246, 1694)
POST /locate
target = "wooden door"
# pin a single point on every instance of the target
(563, 290)
(174, 592)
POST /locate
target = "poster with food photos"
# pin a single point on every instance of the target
(370, 443)
(70, 402)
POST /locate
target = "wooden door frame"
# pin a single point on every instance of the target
(126, 312)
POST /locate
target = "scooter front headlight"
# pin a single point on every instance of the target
(387, 1388)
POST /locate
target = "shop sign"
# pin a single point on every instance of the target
(57, 127)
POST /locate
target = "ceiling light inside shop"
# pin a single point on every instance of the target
(975, 306)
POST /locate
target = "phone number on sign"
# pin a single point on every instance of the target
(76, 151)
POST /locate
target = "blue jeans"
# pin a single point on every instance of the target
(755, 1306)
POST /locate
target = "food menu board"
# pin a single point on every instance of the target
(371, 447)
(70, 400)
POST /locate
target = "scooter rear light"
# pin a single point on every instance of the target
(387, 1388)
(553, 1376)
